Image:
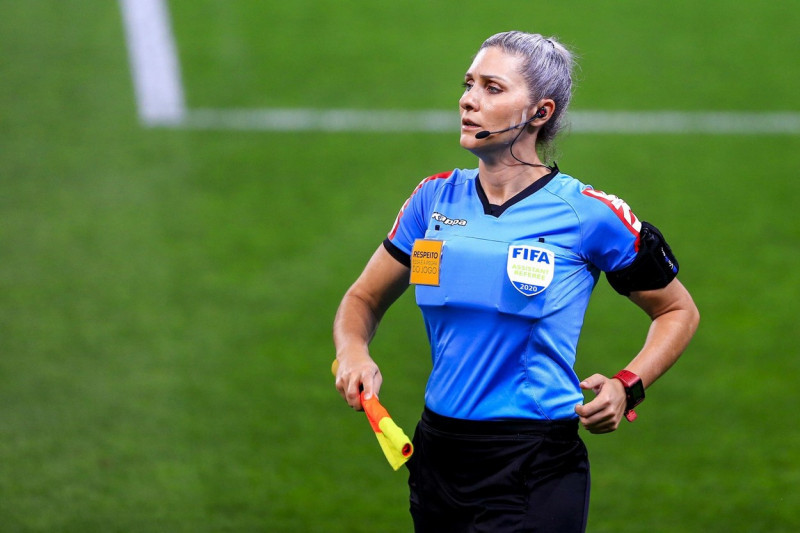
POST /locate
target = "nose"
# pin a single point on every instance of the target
(468, 101)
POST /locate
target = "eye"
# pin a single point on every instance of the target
(467, 85)
(493, 89)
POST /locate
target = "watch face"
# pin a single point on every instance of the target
(636, 392)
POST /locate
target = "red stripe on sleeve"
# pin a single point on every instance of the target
(441, 175)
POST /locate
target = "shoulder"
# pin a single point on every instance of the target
(590, 204)
(416, 210)
(450, 177)
(431, 187)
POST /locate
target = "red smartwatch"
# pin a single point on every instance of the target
(634, 392)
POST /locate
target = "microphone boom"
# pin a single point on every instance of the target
(485, 133)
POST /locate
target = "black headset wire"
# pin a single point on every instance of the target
(511, 151)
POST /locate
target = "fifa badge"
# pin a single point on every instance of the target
(530, 268)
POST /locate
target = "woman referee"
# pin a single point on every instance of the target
(504, 259)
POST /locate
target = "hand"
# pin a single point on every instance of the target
(355, 375)
(604, 413)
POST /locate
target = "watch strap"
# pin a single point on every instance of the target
(627, 378)
(630, 380)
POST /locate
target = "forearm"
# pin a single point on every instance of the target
(674, 322)
(363, 305)
(668, 337)
(354, 326)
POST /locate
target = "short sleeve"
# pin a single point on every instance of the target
(610, 231)
(412, 220)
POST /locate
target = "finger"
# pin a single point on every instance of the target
(598, 430)
(349, 386)
(590, 409)
(605, 426)
(594, 383)
(598, 417)
(344, 386)
(352, 393)
(369, 382)
(592, 424)
(372, 384)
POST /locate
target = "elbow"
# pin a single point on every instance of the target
(691, 314)
(693, 317)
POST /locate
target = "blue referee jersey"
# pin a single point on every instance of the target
(503, 290)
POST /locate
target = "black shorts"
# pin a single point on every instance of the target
(498, 477)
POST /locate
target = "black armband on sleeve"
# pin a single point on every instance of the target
(653, 268)
(397, 253)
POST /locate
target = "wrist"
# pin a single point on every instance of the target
(634, 392)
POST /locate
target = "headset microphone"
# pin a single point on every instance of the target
(485, 133)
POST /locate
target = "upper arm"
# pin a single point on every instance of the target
(673, 297)
(381, 283)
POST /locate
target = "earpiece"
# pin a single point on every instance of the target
(541, 113)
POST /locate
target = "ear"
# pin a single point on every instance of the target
(543, 111)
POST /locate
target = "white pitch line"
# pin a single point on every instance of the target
(330, 120)
(704, 122)
(154, 62)
(387, 121)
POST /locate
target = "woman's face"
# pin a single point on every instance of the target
(495, 97)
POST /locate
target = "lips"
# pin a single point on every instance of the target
(467, 123)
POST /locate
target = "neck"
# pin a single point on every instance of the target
(504, 173)
(501, 182)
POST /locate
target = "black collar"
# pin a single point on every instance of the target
(497, 210)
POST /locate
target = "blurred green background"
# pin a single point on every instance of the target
(166, 295)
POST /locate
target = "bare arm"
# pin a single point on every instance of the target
(674, 320)
(383, 280)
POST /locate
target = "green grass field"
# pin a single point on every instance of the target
(166, 295)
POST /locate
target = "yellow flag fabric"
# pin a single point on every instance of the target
(395, 444)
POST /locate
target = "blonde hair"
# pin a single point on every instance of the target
(547, 67)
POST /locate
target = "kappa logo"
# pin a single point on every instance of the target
(438, 217)
(619, 206)
(530, 269)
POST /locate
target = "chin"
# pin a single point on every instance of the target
(468, 140)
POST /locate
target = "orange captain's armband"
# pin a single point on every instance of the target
(426, 259)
